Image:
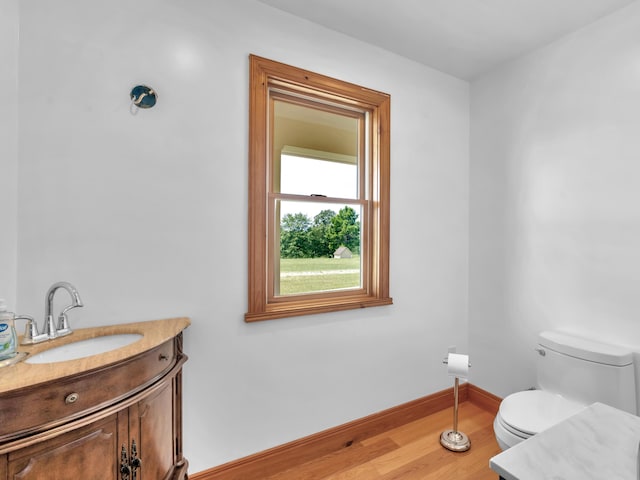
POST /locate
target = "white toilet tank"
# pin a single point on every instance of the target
(586, 371)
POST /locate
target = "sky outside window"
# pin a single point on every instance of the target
(310, 176)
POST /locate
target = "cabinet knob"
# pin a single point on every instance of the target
(71, 398)
(163, 356)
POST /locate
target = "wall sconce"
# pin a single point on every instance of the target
(142, 97)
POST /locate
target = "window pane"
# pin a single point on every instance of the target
(311, 176)
(319, 247)
(313, 147)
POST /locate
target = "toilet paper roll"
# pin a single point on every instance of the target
(458, 365)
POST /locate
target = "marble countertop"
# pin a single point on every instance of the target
(155, 332)
(600, 442)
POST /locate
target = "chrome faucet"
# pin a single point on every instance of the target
(63, 323)
(31, 334)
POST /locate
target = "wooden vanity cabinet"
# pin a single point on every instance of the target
(138, 436)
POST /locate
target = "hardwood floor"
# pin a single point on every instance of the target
(410, 452)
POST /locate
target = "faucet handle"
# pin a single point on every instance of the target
(31, 334)
(63, 321)
(63, 325)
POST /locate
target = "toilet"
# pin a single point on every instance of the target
(572, 373)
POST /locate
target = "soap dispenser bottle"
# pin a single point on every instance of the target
(8, 337)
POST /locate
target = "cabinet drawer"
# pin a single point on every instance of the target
(46, 405)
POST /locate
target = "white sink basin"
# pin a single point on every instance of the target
(84, 348)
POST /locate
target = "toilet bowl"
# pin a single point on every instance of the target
(523, 414)
(572, 373)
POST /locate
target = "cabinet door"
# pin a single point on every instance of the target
(89, 453)
(156, 433)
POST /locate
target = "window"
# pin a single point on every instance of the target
(318, 193)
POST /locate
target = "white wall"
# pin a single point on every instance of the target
(146, 214)
(8, 149)
(555, 199)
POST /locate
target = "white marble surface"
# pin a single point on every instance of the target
(600, 442)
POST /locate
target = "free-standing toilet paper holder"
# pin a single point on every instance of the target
(453, 439)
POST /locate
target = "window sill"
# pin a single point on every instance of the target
(294, 309)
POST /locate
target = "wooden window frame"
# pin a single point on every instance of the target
(266, 75)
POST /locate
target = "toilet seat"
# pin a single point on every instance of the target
(513, 430)
(523, 414)
(532, 411)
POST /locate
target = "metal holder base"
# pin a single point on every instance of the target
(455, 441)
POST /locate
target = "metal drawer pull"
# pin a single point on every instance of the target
(129, 466)
(163, 356)
(71, 398)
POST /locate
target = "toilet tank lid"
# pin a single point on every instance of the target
(586, 349)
